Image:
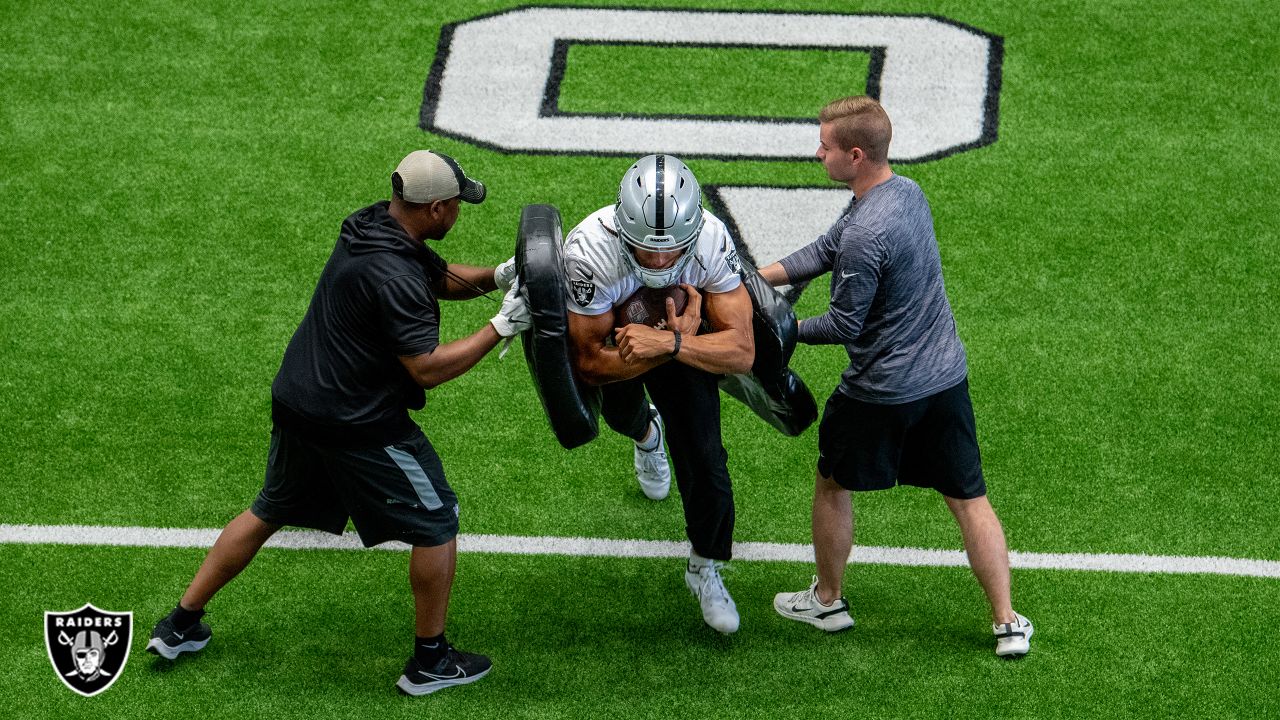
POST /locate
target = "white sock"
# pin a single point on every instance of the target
(650, 441)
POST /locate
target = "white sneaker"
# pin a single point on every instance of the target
(702, 576)
(805, 606)
(652, 471)
(1013, 639)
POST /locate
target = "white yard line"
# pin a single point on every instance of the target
(602, 547)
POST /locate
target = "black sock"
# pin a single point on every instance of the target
(183, 618)
(429, 650)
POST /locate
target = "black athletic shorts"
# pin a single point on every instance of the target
(931, 442)
(397, 492)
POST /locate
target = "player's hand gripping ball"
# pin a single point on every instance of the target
(648, 306)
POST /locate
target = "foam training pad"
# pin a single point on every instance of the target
(572, 407)
(772, 390)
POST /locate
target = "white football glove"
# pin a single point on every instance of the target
(505, 275)
(513, 318)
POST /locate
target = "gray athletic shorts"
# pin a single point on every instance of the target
(931, 442)
(397, 492)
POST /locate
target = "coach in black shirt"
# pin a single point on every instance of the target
(343, 444)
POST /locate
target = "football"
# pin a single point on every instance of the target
(648, 306)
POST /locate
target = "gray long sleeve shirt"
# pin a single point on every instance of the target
(888, 307)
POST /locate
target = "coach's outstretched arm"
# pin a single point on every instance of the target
(454, 358)
(463, 282)
(775, 274)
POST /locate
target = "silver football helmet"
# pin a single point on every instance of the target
(660, 210)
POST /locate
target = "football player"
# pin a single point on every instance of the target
(658, 235)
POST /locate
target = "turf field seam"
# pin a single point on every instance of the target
(603, 547)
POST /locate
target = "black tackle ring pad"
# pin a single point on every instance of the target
(572, 407)
(772, 390)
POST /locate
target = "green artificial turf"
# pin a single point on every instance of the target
(743, 82)
(176, 178)
(325, 633)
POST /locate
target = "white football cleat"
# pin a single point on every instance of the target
(702, 576)
(1013, 639)
(652, 470)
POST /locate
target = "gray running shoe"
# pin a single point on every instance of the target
(805, 607)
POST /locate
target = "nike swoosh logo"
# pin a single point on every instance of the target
(847, 275)
(179, 635)
(457, 674)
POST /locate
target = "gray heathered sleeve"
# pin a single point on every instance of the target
(854, 281)
(813, 259)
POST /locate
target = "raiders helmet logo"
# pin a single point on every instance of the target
(88, 647)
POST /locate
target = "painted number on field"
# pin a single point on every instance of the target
(495, 82)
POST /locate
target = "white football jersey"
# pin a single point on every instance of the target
(599, 277)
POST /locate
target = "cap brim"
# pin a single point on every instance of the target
(472, 192)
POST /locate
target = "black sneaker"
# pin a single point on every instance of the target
(169, 643)
(455, 668)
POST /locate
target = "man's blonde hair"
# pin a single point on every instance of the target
(859, 121)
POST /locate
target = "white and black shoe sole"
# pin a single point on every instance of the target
(829, 621)
(1019, 650)
(409, 687)
(171, 652)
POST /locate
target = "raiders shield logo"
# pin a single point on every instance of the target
(88, 647)
(735, 264)
(583, 291)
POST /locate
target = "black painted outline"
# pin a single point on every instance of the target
(991, 104)
(718, 207)
(560, 62)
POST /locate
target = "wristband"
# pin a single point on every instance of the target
(676, 350)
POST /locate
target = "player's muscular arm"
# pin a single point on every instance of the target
(728, 349)
(731, 347)
(595, 362)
